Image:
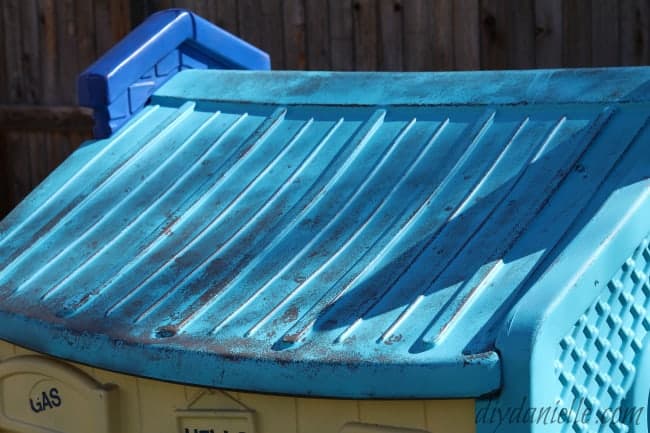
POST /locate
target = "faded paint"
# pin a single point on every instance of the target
(372, 228)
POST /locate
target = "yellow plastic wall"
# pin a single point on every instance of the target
(149, 406)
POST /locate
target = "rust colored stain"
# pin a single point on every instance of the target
(396, 338)
(290, 315)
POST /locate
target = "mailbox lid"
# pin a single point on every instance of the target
(334, 234)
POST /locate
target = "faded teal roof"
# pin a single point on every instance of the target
(338, 234)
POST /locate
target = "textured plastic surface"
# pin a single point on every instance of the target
(119, 84)
(41, 395)
(335, 234)
(144, 405)
(578, 341)
(597, 361)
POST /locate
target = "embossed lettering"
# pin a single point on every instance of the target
(55, 398)
(47, 400)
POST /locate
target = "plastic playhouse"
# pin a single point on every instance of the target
(254, 251)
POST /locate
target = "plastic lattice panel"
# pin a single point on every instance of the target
(597, 361)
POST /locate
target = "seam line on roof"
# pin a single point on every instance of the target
(116, 208)
(390, 287)
(388, 152)
(364, 309)
(549, 140)
(195, 315)
(362, 136)
(308, 319)
(124, 268)
(493, 266)
(341, 249)
(79, 237)
(197, 267)
(429, 337)
(410, 308)
(119, 136)
(255, 140)
(125, 164)
(428, 145)
(477, 187)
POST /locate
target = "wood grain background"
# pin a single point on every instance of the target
(46, 43)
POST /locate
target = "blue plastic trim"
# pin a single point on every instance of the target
(119, 84)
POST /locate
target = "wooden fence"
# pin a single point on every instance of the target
(44, 44)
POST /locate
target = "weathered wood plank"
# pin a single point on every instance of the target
(4, 64)
(548, 33)
(365, 34)
(49, 63)
(39, 164)
(467, 53)
(103, 34)
(443, 35)
(55, 148)
(260, 24)
(85, 26)
(295, 50)
(341, 35)
(226, 15)
(158, 5)
(634, 32)
(48, 118)
(137, 11)
(521, 34)
(209, 11)
(74, 139)
(317, 35)
(5, 179)
(576, 33)
(17, 167)
(121, 22)
(68, 60)
(390, 53)
(250, 22)
(494, 34)
(418, 46)
(13, 51)
(605, 46)
(271, 31)
(203, 8)
(31, 52)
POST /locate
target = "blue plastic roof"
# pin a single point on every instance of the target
(335, 234)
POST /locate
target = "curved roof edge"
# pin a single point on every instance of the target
(363, 379)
